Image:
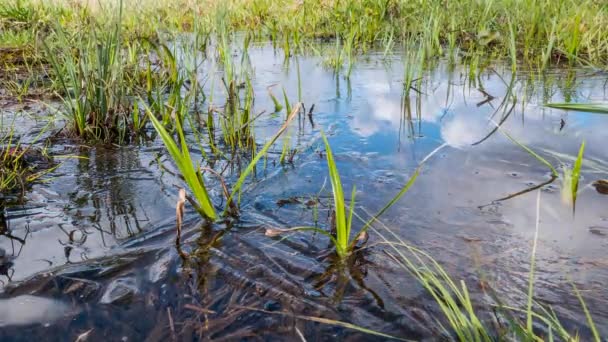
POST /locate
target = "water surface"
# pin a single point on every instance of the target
(94, 250)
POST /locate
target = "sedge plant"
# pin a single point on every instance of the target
(343, 239)
(180, 154)
(191, 172)
(463, 321)
(571, 179)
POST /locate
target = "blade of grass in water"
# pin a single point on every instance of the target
(600, 108)
(596, 335)
(342, 229)
(532, 264)
(237, 187)
(576, 173)
(342, 241)
(277, 105)
(287, 105)
(532, 153)
(450, 297)
(183, 162)
(403, 190)
(326, 321)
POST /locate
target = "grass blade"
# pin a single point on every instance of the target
(576, 173)
(600, 108)
(237, 187)
(532, 265)
(183, 162)
(596, 335)
(336, 185)
(532, 153)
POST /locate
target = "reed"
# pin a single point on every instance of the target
(571, 177)
(180, 154)
(90, 73)
(454, 299)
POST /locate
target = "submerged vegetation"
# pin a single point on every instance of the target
(99, 56)
(21, 164)
(126, 73)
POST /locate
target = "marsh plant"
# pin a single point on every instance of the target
(21, 164)
(340, 232)
(192, 172)
(571, 178)
(91, 72)
(460, 310)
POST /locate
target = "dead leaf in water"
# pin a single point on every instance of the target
(84, 336)
(179, 211)
(273, 232)
(601, 186)
(470, 239)
(363, 237)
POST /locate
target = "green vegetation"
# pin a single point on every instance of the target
(20, 164)
(100, 59)
(343, 218)
(581, 107)
(190, 172)
(531, 31)
(460, 311)
(122, 76)
(93, 82)
(571, 179)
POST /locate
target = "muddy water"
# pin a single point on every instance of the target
(91, 253)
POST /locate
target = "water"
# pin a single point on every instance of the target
(95, 252)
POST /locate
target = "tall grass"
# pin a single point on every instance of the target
(183, 160)
(537, 32)
(89, 70)
(464, 323)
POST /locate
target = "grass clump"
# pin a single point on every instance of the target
(340, 234)
(91, 81)
(343, 218)
(463, 321)
(190, 172)
(20, 164)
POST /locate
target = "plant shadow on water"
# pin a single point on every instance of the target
(116, 271)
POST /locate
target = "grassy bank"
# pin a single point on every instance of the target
(114, 75)
(532, 31)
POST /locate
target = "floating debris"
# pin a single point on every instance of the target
(601, 186)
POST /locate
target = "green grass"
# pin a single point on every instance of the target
(600, 108)
(534, 32)
(461, 318)
(342, 238)
(92, 80)
(571, 179)
(16, 171)
(183, 160)
(100, 57)
(343, 217)
(116, 72)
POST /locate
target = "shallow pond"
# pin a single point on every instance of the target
(91, 253)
